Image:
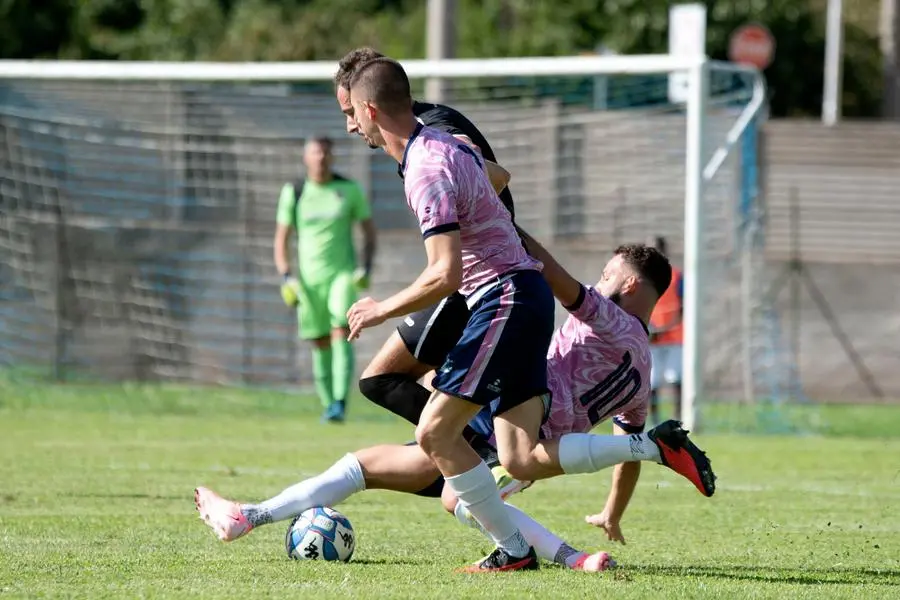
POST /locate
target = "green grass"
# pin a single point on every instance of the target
(96, 502)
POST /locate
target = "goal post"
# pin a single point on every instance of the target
(553, 134)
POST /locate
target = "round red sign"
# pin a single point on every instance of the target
(752, 44)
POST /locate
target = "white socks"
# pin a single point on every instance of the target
(588, 453)
(546, 544)
(477, 492)
(342, 479)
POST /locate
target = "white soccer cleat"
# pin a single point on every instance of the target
(594, 563)
(223, 516)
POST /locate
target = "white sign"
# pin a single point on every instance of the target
(687, 37)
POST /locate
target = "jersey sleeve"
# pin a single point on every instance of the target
(592, 308)
(361, 208)
(431, 193)
(287, 214)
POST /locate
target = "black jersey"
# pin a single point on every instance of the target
(452, 121)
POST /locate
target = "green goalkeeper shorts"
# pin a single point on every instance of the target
(323, 306)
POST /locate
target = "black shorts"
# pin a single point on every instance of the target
(432, 332)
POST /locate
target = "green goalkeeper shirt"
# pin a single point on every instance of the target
(323, 216)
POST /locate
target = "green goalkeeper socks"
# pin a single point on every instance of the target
(322, 374)
(342, 367)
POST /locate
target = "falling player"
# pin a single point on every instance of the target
(473, 247)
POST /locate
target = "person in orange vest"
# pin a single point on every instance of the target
(666, 334)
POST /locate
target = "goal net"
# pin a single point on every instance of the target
(137, 206)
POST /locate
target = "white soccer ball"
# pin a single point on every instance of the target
(320, 533)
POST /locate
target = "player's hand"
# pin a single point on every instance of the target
(363, 314)
(290, 291)
(361, 279)
(610, 526)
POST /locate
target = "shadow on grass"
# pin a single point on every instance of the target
(389, 561)
(833, 576)
(131, 496)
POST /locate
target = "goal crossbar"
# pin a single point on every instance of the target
(323, 70)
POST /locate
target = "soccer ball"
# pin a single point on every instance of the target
(320, 533)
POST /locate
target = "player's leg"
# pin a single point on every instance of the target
(667, 444)
(420, 343)
(389, 467)
(439, 433)
(469, 373)
(315, 327)
(341, 296)
(547, 544)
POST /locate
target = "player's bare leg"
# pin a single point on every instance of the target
(439, 434)
(527, 458)
(390, 467)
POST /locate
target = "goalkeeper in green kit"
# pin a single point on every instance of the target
(322, 209)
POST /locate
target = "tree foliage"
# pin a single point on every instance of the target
(241, 30)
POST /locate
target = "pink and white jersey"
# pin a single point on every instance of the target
(598, 367)
(448, 189)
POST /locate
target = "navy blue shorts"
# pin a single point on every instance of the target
(501, 359)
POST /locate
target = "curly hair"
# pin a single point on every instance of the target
(650, 264)
(351, 61)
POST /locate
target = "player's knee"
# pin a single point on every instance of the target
(520, 465)
(449, 500)
(374, 389)
(430, 437)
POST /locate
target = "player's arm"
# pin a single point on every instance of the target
(566, 288)
(363, 215)
(624, 480)
(498, 175)
(280, 249)
(370, 243)
(284, 225)
(441, 277)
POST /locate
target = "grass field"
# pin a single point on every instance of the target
(96, 502)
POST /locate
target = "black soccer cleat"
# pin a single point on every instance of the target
(681, 455)
(500, 561)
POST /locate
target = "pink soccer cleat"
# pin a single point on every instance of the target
(223, 516)
(594, 563)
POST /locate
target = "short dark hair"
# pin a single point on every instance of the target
(323, 140)
(650, 264)
(351, 61)
(383, 82)
(659, 242)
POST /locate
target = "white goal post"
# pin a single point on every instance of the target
(703, 156)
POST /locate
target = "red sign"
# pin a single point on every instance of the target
(752, 44)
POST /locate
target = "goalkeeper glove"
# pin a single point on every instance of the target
(361, 279)
(290, 290)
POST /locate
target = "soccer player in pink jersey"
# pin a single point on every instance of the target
(473, 247)
(598, 368)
